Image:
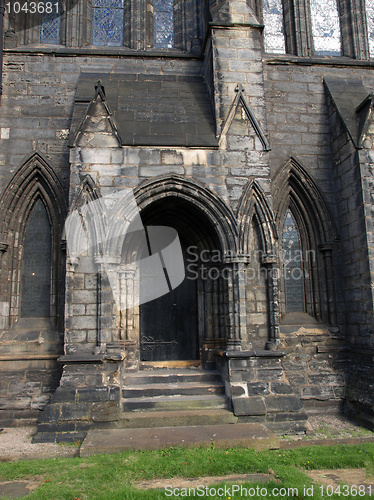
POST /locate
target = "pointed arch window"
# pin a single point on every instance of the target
(274, 26)
(326, 27)
(36, 269)
(50, 23)
(163, 27)
(33, 210)
(108, 22)
(293, 265)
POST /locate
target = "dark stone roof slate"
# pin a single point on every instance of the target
(152, 110)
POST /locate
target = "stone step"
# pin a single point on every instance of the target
(176, 418)
(175, 403)
(170, 377)
(173, 389)
(255, 436)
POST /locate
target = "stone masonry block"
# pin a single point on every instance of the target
(93, 394)
(237, 390)
(76, 411)
(258, 388)
(249, 406)
(283, 404)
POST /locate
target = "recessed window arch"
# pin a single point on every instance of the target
(36, 265)
(294, 285)
(108, 22)
(50, 23)
(274, 39)
(326, 27)
(33, 210)
(163, 23)
(303, 214)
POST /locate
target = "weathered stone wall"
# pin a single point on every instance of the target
(289, 101)
(260, 391)
(355, 309)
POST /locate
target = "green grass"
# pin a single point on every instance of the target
(112, 477)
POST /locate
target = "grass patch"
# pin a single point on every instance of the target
(104, 477)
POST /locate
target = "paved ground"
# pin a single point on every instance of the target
(15, 444)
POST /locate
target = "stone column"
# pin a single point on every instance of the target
(272, 272)
(209, 334)
(354, 28)
(330, 289)
(127, 284)
(234, 287)
(298, 24)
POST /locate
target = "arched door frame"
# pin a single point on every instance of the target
(211, 207)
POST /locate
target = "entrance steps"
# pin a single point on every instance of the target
(176, 418)
(172, 397)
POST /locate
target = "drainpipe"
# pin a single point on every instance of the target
(2, 10)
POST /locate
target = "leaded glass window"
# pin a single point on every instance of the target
(50, 23)
(370, 24)
(163, 12)
(273, 21)
(36, 269)
(108, 22)
(326, 27)
(293, 265)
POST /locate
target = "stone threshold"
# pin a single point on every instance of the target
(255, 436)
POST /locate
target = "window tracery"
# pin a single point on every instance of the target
(274, 30)
(36, 269)
(108, 22)
(163, 27)
(50, 24)
(293, 267)
(325, 27)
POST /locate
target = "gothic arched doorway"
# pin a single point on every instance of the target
(173, 326)
(169, 324)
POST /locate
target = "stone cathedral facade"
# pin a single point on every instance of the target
(244, 127)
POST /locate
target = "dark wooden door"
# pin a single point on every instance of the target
(168, 325)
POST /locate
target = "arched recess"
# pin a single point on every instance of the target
(257, 239)
(190, 190)
(85, 227)
(208, 233)
(253, 204)
(295, 190)
(34, 181)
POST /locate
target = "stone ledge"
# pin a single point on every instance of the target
(250, 354)
(81, 358)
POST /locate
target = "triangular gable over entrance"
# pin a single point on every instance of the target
(98, 127)
(238, 102)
